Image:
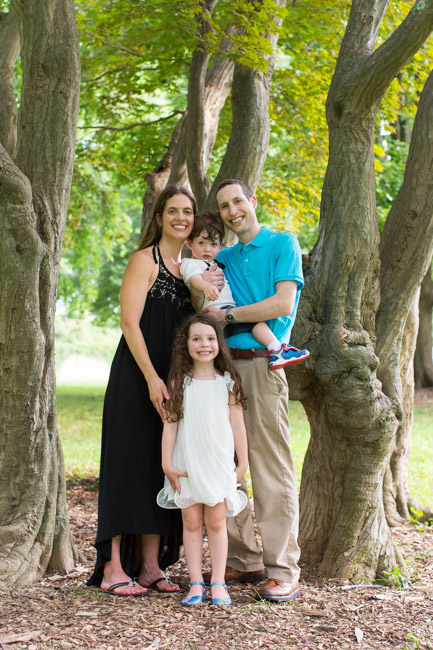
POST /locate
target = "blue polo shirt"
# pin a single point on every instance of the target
(253, 270)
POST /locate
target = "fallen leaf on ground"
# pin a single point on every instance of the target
(310, 611)
(359, 634)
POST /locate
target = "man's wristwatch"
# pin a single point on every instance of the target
(229, 316)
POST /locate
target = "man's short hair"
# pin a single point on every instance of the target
(209, 222)
(233, 181)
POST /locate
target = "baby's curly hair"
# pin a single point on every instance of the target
(209, 222)
(182, 364)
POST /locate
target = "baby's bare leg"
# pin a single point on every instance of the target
(263, 334)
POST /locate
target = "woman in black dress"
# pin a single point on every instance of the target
(135, 537)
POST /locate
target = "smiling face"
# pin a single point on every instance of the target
(203, 247)
(177, 217)
(202, 343)
(237, 212)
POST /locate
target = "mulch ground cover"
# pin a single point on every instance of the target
(61, 613)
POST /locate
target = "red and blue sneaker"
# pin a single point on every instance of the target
(287, 355)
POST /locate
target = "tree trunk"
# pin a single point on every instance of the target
(249, 138)
(406, 244)
(35, 531)
(423, 352)
(352, 422)
(173, 166)
(157, 179)
(207, 93)
(398, 499)
(351, 390)
(197, 148)
(396, 492)
(9, 50)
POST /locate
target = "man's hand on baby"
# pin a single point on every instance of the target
(217, 314)
(214, 276)
(211, 292)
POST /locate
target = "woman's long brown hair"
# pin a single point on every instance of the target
(182, 365)
(153, 232)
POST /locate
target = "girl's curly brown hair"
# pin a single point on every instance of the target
(182, 365)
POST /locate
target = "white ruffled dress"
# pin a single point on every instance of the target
(204, 449)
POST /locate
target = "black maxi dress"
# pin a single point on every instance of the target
(131, 474)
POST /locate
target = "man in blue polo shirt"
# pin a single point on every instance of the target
(264, 270)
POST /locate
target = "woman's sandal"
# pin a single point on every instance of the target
(195, 600)
(220, 601)
(154, 586)
(130, 583)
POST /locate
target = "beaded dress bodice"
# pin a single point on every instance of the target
(168, 287)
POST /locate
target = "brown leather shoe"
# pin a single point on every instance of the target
(233, 576)
(278, 591)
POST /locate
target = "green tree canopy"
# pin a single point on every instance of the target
(136, 57)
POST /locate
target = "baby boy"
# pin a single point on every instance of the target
(204, 242)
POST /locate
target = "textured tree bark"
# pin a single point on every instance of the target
(398, 500)
(249, 137)
(424, 343)
(196, 130)
(34, 530)
(396, 493)
(405, 244)
(351, 389)
(9, 50)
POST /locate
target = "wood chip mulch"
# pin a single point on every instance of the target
(61, 613)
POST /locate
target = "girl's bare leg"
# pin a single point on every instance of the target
(114, 573)
(150, 570)
(193, 545)
(216, 526)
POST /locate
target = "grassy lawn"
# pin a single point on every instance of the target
(79, 414)
(79, 422)
(421, 455)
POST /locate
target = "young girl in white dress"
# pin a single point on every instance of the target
(203, 430)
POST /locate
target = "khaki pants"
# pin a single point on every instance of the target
(272, 475)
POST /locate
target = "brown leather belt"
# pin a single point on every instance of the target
(252, 353)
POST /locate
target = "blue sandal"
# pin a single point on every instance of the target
(195, 600)
(220, 601)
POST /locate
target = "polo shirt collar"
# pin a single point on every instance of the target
(259, 240)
